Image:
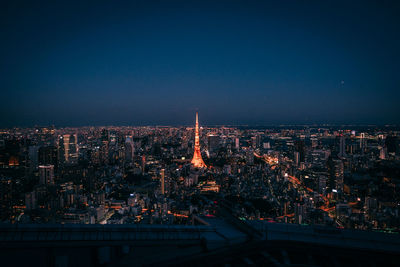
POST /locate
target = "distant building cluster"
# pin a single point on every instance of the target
(347, 177)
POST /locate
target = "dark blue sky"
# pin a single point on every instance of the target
(237, 62)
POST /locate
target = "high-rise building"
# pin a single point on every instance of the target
(5, 198)
(362, 141)
(322, 184)
(68, 148)
(197, 160)
(162, 173)
(296, 158)
(46, 174)
(342, 147)
(30, 201)
(300, 147)
(33, 156)
(143, 163)
(254, 142)
(299, 212)
(104, 152)
(48, 156)
(129, 149)
(237, 144)
(382, 152)
(250, 156)
(391, 144)
(338, 174)
(213, 143)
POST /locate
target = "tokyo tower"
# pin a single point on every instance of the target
(197, 161)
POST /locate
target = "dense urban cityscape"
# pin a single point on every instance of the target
(199, 133)
(342, 176)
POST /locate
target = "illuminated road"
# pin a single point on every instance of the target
(325, 207)
(273, 161)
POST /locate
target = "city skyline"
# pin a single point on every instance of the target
(201, 133)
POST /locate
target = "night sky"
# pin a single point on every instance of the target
(237, 62)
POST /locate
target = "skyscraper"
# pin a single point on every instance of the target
(362, 142)
(48, 156)
(338, 174)
(296, 158)
(237, 144)
(213, 143)
(300, 147)
(143, 163)
(129, 149)
(342, 147)
(5, 198)
(46, 174)
(30, 201)
(250, 156)
(391, 144)
(68, 145)
(197, 161)
(162, 172)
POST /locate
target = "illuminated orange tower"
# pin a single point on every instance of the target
(197, 161)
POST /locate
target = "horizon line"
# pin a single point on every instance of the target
(209, 125)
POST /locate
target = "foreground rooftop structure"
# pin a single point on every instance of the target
(219, 242)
